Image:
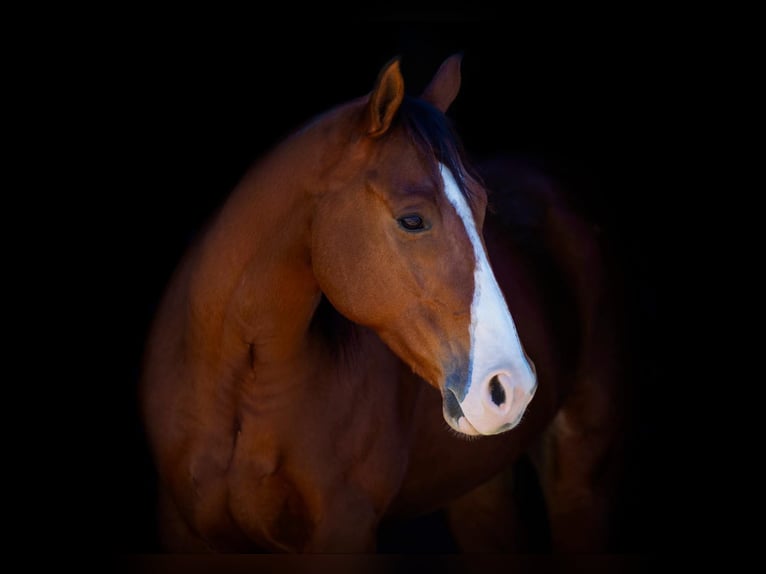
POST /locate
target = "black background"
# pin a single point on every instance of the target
(183, 109)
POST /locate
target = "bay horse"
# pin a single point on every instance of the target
(356, 338)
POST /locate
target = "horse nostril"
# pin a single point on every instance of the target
(496, 391)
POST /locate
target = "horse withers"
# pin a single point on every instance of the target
(356, 338)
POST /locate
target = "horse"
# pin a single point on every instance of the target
(371, 328)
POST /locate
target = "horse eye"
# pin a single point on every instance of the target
(412, 222)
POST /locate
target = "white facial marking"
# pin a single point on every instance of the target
(495, 345)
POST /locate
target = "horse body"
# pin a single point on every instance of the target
(243, 406)
(295, 394)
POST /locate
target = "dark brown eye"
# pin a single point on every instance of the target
(412, 222)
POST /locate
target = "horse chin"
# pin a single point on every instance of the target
(465, 427)
(461, 425)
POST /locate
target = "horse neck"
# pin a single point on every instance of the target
(252, 286)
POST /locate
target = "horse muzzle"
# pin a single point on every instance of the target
(492, 404)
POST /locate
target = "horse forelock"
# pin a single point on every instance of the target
(434, 135)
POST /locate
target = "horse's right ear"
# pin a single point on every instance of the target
(385, 99)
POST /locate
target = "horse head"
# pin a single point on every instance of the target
(397, 246)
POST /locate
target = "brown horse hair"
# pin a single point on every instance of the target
(434, 135)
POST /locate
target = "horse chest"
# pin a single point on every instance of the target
(319, 473)
(443, 466)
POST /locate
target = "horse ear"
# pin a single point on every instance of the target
(445, 85)
(385, 99)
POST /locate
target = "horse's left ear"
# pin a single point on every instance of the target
(385, 99)
(445, 85)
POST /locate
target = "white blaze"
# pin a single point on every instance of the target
(495, 345)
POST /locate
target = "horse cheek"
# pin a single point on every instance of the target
(345, 269)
